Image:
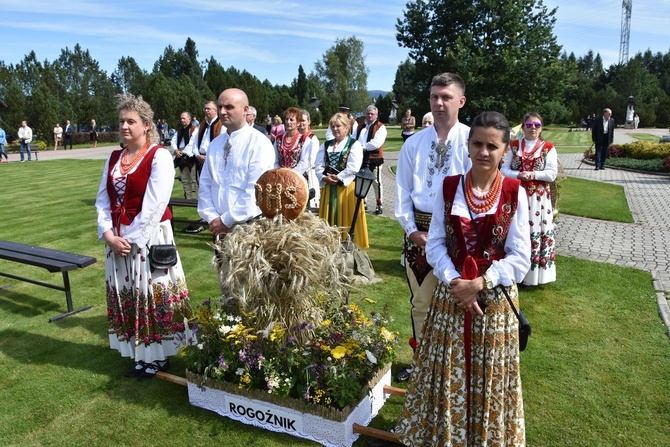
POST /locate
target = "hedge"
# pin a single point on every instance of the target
(646, 150)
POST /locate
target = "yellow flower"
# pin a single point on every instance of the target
(338, 352)
(277, 332)
(386, 334)
(370, 301)
(326, 323)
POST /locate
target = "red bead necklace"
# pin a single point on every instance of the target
(126, 166)
(482, 203)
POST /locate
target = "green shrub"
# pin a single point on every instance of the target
(646, 150)
(654, 165)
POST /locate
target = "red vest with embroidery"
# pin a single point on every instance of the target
(136, 186)
(493, 228)
(532, 164)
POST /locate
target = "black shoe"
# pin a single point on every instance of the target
(193, 228)
(602, 168)
(403, 374)
(153, 367)
(137, 370)
(379, 210)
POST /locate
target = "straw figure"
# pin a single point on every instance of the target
(287, 268)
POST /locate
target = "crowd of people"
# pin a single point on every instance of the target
(475, 208)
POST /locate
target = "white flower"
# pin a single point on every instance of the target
(370, 357)
(224, 329)
(201, 346)
(240, 371)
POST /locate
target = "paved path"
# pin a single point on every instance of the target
(644, 244)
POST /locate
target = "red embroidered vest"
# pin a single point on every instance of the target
(493, 228)
(532, 164)
(136, 185)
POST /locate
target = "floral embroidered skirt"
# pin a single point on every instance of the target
(542, 239)
(337, 206)
(440, 408)
(147, 311)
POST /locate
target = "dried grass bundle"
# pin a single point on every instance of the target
(285, 267)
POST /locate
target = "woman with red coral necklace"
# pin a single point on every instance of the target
(535, 162)
(289, 150)
(465, 388)
(147, 308)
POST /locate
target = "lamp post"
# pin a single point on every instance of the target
(364, 179)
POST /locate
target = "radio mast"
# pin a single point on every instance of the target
(626, 9)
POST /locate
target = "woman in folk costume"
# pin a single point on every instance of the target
(337, 163)
(465, 389)
(288, 145)
(310, 145)
(535, 162)
(147, 309)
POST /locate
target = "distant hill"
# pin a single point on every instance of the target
(375, 93)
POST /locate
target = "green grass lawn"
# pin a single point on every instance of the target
(595, 371)
(578, 196)
(645, 137)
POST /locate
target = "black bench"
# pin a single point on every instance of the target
(189, 203)
(53, 261)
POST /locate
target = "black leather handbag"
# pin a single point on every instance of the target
(162, 256)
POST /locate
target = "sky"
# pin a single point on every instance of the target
(271, 38)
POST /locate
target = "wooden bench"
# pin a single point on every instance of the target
(53, 261)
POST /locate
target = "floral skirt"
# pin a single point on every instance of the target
(337, 206)
(440, 408)
(542, 239)
(147, 310)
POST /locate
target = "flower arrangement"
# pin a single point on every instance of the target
(330, 365)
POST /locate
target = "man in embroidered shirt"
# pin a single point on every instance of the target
(185, 163)
(26, 137)
(235, 160)
(343, 108)
(372, 137)
(424, 161)
(209, 129)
